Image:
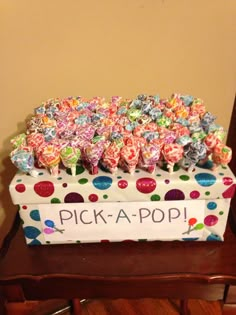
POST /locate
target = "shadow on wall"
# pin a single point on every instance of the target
(7, 173)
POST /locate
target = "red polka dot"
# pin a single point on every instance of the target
(146, 185)
(194, 194)
(24, 207)
(105, 241)
(44, 188)
(227, 181)
(93, 198)
(20, 188)
(64, 185)
(122, 184)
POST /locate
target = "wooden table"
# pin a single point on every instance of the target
(183, 270)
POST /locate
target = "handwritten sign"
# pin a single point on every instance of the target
(93, 222)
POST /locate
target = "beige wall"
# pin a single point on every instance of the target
(52, 48)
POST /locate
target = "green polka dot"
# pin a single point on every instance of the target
(18, 207)
(105, 196)
(137, 171)
(19, 180)
(142, 240)
(207, 193)
(158, 175)
(77, 241)
(83, 181)
(59, 178)
(221, 212)
(221, 174)
(55, 200)
(224, 167)
(41, 173)
(119, 177)
(184, 177)
(155, 198)
(48, 242)
(79, 170)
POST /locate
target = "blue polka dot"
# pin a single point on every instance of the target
(102, 182)
(212, 205)
(208, 165)
(31, 232)
(34, 214)
(205, 179)
(214, 237)
(190, 239)
(35, 242)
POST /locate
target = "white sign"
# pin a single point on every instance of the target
(117, 221)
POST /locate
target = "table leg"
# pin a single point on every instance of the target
(77, 307)
(3, 310)
(184, 307)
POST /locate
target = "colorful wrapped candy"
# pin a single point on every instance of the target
(23, 159)
(145, 131)
(69, 157)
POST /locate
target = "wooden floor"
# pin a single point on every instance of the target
(117, 307)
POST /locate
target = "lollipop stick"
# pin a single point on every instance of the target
(54, 170)
(34, 173)
(73, 170)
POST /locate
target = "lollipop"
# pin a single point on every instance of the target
(149, 156)
(69, 157)
(49, 157)
(23, 159)
(221, 155)
(193, 153)
(18, 140)
(172, 154)
(34, 140)
(110, 157)
(92, 154)
(129, 156)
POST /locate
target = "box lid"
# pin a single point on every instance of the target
(121, 186)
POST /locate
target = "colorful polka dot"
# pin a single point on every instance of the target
(207, 193)
(64, 185)
(34, 214)
(41, 173)
(55, 200)
(93, 197)
(167, 181)
(35, 242)
(228, 181)
(102, 182)
(184, 177)
(221, 212)
(146, 185)
(122, 184)
(83, 181)
(155, 198)
(31, 232)
(174, 194)
(73, 197)
(59, 178)
(79, 170)
(105, 196)
(20, 188)
(44, 188)
(210, 220)
(213, 237)
(194, 194)
(19, 180)
(24, 207)
(211, 205)
(205, 179)
(229, 193)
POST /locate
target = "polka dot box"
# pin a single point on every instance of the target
(215, 188)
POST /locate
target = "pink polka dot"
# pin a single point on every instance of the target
(146, 185)
(20, 188)
(122, 184)
(44, 188)
(227, 181)
(210, 220)
(93, 198)
(167, 181)
(194, 194)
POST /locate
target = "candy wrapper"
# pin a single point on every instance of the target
(69, 157)
(23, 159)
(145, 131)
(49, 157)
